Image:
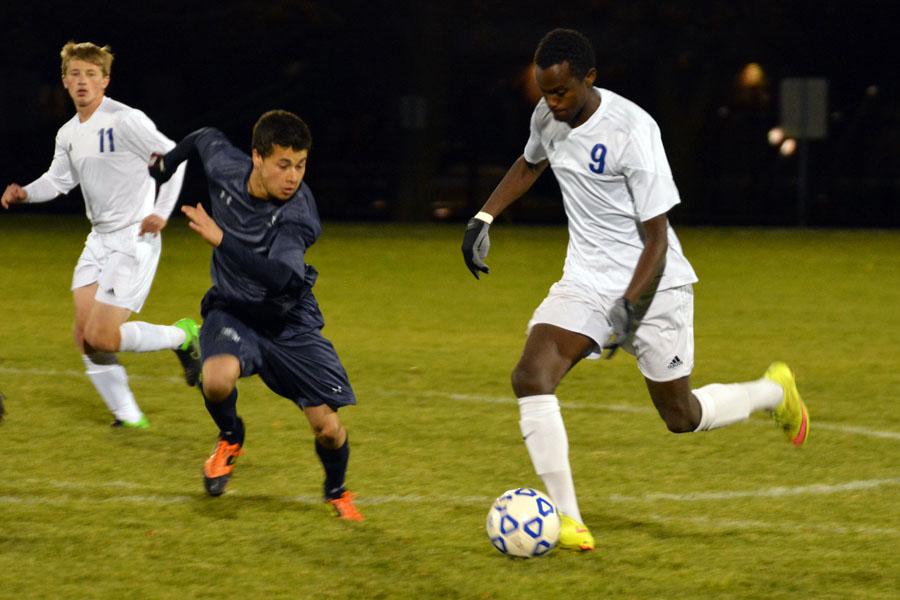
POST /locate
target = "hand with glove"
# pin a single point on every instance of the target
(624, 321)
(476, 243)
(157, 168)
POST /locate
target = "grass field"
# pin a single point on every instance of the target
(90, 512)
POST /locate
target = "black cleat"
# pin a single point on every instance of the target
(189, 352)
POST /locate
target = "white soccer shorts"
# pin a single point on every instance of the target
(663, 344)
(123, 265)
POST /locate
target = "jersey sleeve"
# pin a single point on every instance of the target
(299, 230)
(534, 148)
(59, 178)
(647, 173)
(219, 156)
(141, 137)
(289, 247)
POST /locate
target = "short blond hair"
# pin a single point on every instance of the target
(88, 52)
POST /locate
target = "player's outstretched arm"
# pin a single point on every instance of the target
(476, 241)
(13, 194)
(163, 166)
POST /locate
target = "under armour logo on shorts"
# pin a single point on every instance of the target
(230, 333)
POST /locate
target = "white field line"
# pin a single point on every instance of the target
(481, 399)
(719, 524)
(817, 489)
(702, 522)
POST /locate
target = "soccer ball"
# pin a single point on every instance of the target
(523, 522)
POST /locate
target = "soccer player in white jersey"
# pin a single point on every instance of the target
(106, 148)
(626, 282)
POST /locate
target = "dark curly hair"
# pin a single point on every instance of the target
(282, 128)
(566, 45)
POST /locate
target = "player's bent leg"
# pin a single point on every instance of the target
(675, 403)
(333, 450)
(712, 406)
(183, 337)
(101, 332)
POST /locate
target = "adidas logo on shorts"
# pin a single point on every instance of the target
(676, 362)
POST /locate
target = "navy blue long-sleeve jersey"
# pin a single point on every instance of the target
(272, 229)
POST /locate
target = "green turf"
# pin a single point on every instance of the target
(90, 512)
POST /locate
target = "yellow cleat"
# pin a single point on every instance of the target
(574, 535)
(791, 414)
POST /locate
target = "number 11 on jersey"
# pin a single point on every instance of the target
(109, 136)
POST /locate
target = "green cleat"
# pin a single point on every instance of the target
(141, 423)
(791, 415)
(189, 352)
(574, 535)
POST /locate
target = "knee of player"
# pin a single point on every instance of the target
(678, 421)
(531, 381)
(330, 433)
(101, 339)
(216, 388)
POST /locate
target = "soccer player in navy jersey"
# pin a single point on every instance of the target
(260, 315)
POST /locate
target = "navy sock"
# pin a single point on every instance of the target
(224, 413)
(335, 463)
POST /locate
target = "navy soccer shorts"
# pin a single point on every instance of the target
(299, 364)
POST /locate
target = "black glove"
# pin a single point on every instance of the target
(624, 322)
(157, 168)
(475, 246)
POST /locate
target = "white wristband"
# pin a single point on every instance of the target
(486, 217)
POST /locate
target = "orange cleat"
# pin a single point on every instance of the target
(344, 507)
(219, 466)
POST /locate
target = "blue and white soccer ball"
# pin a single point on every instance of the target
(523, 522)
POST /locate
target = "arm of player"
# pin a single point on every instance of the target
(58, 179)
(272, 273)
(517, 180)
(163, 166)
(627, 312)
(141, 137)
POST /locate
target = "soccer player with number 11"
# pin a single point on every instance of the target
(105, 148)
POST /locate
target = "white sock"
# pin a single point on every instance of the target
(548, 445)
(725, 404)
(138, 336)
(111, 382)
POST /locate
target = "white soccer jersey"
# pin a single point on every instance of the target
(613, 174)
(108, 156)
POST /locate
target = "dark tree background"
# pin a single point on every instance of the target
(417, 108)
